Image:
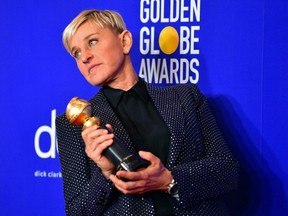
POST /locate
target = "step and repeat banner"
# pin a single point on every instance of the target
(235, 51)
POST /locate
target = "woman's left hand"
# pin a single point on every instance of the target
(155, 177)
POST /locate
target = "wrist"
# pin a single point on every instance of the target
(172, 188)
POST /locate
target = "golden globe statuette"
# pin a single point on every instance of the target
(78, 112)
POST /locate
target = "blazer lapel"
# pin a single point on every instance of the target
(169, 107)
(103, 110)
(167, 102)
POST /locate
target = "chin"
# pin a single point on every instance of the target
(96, 83)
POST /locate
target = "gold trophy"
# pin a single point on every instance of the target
(78, 112)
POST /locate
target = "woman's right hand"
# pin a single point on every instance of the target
(97, 140)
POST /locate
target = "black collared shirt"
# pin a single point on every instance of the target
(146, 129)
(141, 119)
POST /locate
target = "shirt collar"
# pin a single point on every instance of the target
(114, 95)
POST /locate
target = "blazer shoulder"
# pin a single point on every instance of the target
(180, 87)
(187, 91)
(61, 119)
(190, 95)
(191, 88)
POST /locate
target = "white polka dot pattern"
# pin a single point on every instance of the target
(199, 159)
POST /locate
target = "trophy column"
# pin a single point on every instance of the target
(78, 112)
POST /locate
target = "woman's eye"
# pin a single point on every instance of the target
(77, 54)
(92, 42)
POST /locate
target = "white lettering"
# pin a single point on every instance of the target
(53, 174)
(144, 11)
(188, 40)
(51, 130)
(193, 63)
(182, 13)
(49, 174)
(147, 41)
(153, 71)
(163, 18)
(164, 73)
(143, 70)
(181, 70)
(144, 43)
(174, 11)
(155, 10)
(39, 173)
(195, 10)
(184, 67)
(174, 70)
(194, 40)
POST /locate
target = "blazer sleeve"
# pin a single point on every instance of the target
(206, 168)
(86, 190)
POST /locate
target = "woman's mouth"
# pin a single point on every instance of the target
(92, 67)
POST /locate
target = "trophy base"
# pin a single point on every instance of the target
(133, 163)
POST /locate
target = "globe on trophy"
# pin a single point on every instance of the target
(78, 112)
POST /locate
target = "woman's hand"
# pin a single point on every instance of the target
(154, 177)
(97, 140)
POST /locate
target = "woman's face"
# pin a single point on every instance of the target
(99, 53)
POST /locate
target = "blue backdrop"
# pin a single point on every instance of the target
(235, 51)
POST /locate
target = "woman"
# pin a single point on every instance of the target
(172, 128)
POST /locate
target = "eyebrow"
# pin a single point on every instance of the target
(85, 38)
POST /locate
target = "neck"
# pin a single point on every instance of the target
(125, 81)
(127, 78)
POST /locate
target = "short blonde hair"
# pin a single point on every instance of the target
(104, 18)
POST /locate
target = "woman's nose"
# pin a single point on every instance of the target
(86, 56)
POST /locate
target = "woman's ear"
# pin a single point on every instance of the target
(127, 41)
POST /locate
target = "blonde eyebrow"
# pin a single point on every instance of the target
(85, 38)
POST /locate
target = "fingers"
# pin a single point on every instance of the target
(153, 168)
(149, 156)
(96, 141)
(129, 187)
(95, 134)
(109, 127)
(133, 176)
(96, 148)
(154, 177)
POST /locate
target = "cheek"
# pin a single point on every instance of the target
(116, 51)
(116, 56)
